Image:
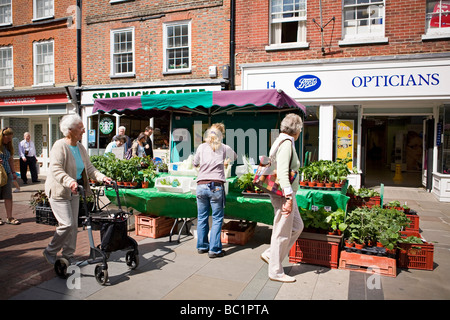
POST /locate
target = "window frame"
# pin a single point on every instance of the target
(434, 33)
(363, 38)
(12, 67)
(35, 11)
(301, 19)
(113, 71)
(35, 65)
(10, 17)
(166, 69)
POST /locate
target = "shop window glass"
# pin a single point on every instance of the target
(443, 140)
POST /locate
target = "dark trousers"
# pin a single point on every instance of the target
(31, 163)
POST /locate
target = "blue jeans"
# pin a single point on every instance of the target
(210, 197)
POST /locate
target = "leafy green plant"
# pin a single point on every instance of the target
(336, 220)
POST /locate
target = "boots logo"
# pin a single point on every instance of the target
(307, 83)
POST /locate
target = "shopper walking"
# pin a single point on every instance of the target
(69, 167)
(211, 157)
(287, 223)
(7, 161)
(27, 154)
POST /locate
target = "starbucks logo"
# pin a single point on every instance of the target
(106, 126)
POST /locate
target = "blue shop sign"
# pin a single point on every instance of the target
(307, 83)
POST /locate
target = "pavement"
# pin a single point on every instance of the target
(174, 271)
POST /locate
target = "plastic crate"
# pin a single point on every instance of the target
(368, 263)
(153, 226)
(237, 232)
(416, 256)
(414, 225)
(183, 187)
(372, 201)
(44, 215)
(318, 252)
(177, 169)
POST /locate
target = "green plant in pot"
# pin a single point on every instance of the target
(336, 220)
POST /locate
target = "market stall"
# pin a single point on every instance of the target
(254, 111)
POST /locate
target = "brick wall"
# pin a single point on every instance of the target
(210, 38)
(404, 27)
(22, 35)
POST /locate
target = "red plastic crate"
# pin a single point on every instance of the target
(372, 201)
(153, 226)
(414, 225)
(368, 263)
(416, 256)
(323, 253)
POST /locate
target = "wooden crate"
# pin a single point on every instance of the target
(368, 263)
(153, 226)
(237, 232)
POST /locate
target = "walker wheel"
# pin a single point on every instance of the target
(101, 274)
(132, 260)
(60, 267)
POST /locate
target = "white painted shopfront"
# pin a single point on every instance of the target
(416, 87)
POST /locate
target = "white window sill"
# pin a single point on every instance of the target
(287, 46)
(7, 88)
(43, 18)
(176, 71)
(124, 75)
(47, 84)
(436, 36)
(118, 1)
(6, 24)
(356, 41)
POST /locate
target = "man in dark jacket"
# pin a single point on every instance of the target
(148, 145)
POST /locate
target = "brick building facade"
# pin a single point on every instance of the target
(38, 60)
(382, 65)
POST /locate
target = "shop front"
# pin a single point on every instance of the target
(37, 111)
(101, 127)
(387, 113)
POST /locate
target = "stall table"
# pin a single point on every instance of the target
(183, 205)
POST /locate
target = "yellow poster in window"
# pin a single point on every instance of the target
(345, 136)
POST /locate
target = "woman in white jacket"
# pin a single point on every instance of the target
(69, 167)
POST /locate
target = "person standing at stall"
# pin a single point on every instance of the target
(287, 223)
(211, 158)
(138, 147)
(69, 167)
(7, 161)
(148, 142)
(27, 154)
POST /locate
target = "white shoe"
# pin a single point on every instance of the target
(284, 278)
(16, 190)
(50, 259)
(264, 258)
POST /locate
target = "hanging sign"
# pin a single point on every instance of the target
(106, 126)
(344, 140)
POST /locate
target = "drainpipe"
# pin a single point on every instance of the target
(79, 80)
(232, 43)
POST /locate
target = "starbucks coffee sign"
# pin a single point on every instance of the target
(106, 126)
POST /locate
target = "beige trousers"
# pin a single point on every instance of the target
(285, 231)
(65, 238)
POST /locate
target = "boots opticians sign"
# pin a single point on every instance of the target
(396, 80)
(354, 80)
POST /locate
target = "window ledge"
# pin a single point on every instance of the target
(177, 71)
(287, 46)
(356, 41)
(40, 85)
(436, 36)
(119, 1)
(43, 18)
(6, 88)
(125, 75)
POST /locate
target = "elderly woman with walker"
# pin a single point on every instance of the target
(69, 167)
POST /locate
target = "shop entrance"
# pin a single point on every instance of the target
(393, 150)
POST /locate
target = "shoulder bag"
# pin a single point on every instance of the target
(266, 175)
